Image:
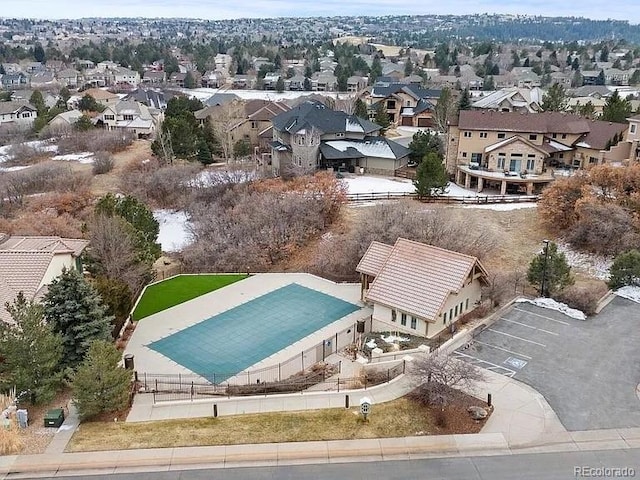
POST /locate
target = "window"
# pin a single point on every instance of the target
(109, 117)
(531, 164)
(564, 135)
(300, 139)
(127, 117)
(450, 314)
(391, 104)
(393, 315)
(468, 134)
(533, 137)
(476, 157)
(593, 160)
(26, 115)
(632, 128)
(502, 135)
(414, 322)
(555, 135)
(483, 134)
(403, 319)
(339, 135)
(464, 154)
(561, 155)
(456, 311)
(445, 317)
(466, 306)
(461, 305)
(254, 125)
(500, 165)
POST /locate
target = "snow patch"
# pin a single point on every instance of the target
(594, 265)
(174, 229)
(371, 344)
(84, 157)
(14, 169)
(551, 304)
(368, 184)
(394, 339)
(211, 178)
(41, 146)
(630, 293)
(503, 207)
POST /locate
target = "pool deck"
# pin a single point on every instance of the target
(184, 315)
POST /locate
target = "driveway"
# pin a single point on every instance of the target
(588, 370)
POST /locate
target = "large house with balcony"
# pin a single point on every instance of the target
(408, 105)
(417, 288)
(130, 116)
(523, 152)
(314, 136)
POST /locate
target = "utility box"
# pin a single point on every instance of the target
(54, 418)
(23, 418)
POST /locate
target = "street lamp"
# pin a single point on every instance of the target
(543, 282)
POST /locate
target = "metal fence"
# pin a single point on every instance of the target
(471, 200)
(166, 388)
(220, 383)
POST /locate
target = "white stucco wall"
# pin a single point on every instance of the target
(58, 262)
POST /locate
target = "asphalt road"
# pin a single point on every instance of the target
(546, 466)
(586, 369)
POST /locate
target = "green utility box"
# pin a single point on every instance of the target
(54, 418)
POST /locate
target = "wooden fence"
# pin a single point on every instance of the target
(471, 200)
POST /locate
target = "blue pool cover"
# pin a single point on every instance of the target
(233, 340)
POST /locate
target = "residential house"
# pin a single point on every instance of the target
(419, 289)
(574, 103)
(324, 81)
(20, 114)
(561, 78)
(55, 66)
(524, 151)
(11, 81)
(69, 78)
(11, 68)
(626, 151)
(213, 79)
(242, 82)
(29, 264)
(154, 99)
(33, 67)
(614, 76)
(103, 97)
(356, 83)
(154, 77)
(406, 104)
(512, 99)
(295, 83)
(223, 62)
(270, 81)
(592, 77)
(525, 77)
(64, 121)
(42, 80)
(129, 116)
(313, 136)
(121, 76)
(95, 78)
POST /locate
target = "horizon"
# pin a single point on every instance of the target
(206, 10)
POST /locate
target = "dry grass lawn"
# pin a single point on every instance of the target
(402, 417)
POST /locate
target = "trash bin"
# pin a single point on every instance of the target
(128, 361)
(23, 418)
(54, 418)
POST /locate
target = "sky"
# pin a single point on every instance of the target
(218, 9)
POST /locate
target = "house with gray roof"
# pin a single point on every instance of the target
(314, 136)
(130, 116)
(28, 264)
(20, 114)
(406, 104)
(417, 288)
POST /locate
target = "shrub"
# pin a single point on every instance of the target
(102, 163)
(24, 154)
(625, 270)
(95, 140)
(584, 298)
(10, 441)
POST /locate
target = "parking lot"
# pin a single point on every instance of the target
(588, 370)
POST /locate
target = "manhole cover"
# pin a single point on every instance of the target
(515, 362)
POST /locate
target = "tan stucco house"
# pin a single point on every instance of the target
(524, 151)
(29, 263)
(417, 288)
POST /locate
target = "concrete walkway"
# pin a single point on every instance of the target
(65, 432)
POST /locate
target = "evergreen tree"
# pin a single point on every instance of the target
(280, 85)
(575, 65)
(625, 270)
(635, 77)
(616, 109)
(37, 101)
(600, 79)
(382, 117)
(76, 312)
(31, 351)
(38, 54)
(100, 385)
(376, 70)
(83, 124)
(423, 143)
(489, 84)
(431, 176)
(552, 267)
(2, 70)
(465, 100)
(204, 153)
(88, 104)
(360, 109)
(516, 59)
(604, 54)
(242, 148)
(189, 80)
(307, 84)
(526, 62)
(408, 68)
(555, 100)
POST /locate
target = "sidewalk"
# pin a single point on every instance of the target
(65, 432)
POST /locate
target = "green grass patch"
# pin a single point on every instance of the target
(178, 290)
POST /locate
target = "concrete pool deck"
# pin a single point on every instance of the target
(184, 315)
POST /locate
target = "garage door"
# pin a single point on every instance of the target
(424, 122)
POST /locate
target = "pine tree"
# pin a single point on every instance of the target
(204, 153)
(625, 270)
(555, 100)
(465, 100)
(360, 109)
(280, 85)
(616, 109)
(382, 117)
(431, 176)
(75, 311)
(31, 351)
(552, 267)
(408, 67)
(488, 84)
(100, 384)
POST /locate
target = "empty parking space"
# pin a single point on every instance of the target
(587, 370)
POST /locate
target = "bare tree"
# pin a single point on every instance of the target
(227, 118)
(438, 375)
(346, 103)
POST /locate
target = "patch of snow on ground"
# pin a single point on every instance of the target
(210, 178)
(551, 304)
(14, 169)
(39, 145)
(369, 184)
(174, 229)
(394, 339)
(84, 157)
(371, 344)
(630, 293)
(594, 265)
(504, 207)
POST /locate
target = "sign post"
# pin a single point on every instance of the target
(365, 407)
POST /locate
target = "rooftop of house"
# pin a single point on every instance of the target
(416, 278)
(311, 115)
(14, 106)
(99, 94)
(383, 90)
(376, 147)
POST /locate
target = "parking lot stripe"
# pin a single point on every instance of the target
(541, 316)
(483, 363)
(530, 326)
(516, 337)
(503, 349)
